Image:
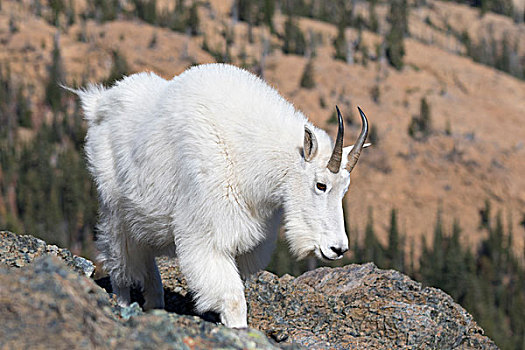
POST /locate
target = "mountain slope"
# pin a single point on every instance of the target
(474, 153)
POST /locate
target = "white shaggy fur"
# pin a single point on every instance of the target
(203, 166)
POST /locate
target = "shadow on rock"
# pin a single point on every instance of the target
(174, 302)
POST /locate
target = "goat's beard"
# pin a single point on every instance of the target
(301, 245)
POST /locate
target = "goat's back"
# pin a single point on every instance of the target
(189, 148)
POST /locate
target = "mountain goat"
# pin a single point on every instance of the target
(204, 166)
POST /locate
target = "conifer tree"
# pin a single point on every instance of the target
(395, 49)
(307, 78)
(146, 10)
(437, 256)
(395, 252)
(103, 10)
(455, 273)
(13, 27)
(37, 200)
(432, 258)
(484, 216)
(70, 13)
(244, 10)
(421, 125)
(426, 120)
(23, 110)
(57, 7)
(119, 68)
(55, 76)
(340, 44)
(503, 58)
(373, 251)
(411, 259)
(373, 22)
(70, 194)
(294, 41)
(193, 19)
(7, 119)
(268, 12)
(176, 20)
(256, 13)
(153, 41)
(369, 240)
(493, 246)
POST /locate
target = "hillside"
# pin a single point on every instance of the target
(475, 151)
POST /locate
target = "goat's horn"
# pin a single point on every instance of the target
(335, 160)
(353, 156)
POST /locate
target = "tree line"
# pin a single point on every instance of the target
(45, 188)
(183, 17)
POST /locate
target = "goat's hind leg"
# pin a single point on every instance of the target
(141, 270)
(122, 292)
(129, 264)
(152, 285)
(112, 245)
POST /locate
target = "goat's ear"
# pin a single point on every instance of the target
(347, 149)
(310, 144)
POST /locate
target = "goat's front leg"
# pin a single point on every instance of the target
(214, 279)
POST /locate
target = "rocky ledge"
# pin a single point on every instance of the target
(48, 300)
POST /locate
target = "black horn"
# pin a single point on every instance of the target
(334, 164)
(353, 156)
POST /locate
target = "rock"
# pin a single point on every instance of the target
(48, 304)
(18, 251)
(360, 306)
(356, 306)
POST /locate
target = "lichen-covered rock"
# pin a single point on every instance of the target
(18, 251)
(357, 306)
(48, 305)
(351, 307)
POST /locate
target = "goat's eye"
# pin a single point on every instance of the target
(321, 187)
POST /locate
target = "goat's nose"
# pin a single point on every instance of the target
(338, 250)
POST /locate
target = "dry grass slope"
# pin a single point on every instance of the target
(483, 156)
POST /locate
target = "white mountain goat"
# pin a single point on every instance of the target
(205, 165)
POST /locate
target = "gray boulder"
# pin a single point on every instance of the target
(47, 300)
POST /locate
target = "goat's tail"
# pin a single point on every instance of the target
(89, 98)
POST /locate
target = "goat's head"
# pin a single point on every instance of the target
(314, 218)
